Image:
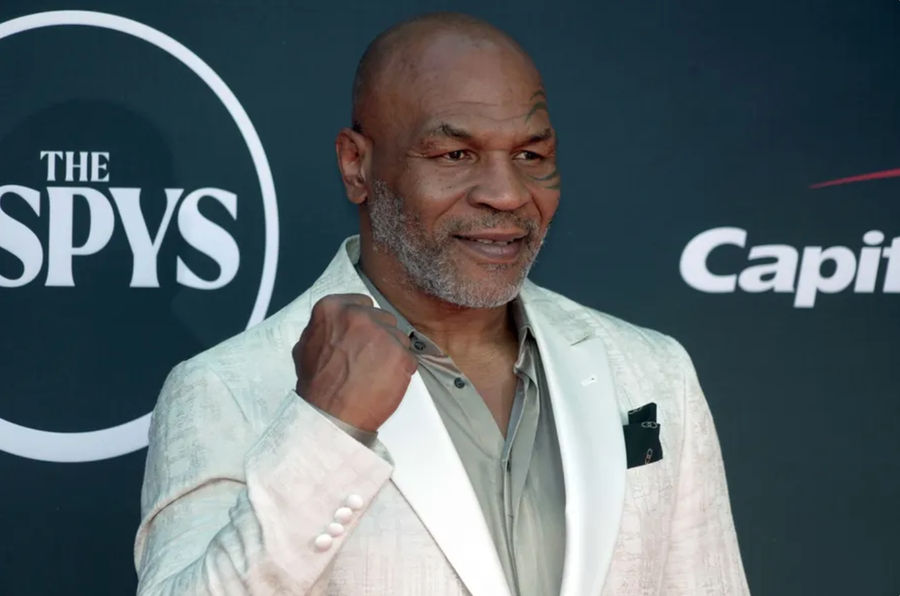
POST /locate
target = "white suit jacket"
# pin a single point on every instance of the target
(243, 475)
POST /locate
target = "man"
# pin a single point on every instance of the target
(423, 421)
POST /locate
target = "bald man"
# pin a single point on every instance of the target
(423, 420)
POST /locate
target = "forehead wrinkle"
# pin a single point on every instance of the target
(433, 135)
(476, 119)
(544, 135)
(445, 129)
(456, 116)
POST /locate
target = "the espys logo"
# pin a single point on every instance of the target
(85, 200)
(801, 271)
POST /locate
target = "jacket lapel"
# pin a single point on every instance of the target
(591, 444)
(427, 469)
(430, 475)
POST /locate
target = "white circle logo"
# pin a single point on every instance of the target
(131, 436)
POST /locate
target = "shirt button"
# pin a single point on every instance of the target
(335, 529)
(343, 515)
(419, 345)
(459, 382)
(323, 542)
(355, 502)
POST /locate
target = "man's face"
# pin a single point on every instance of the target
(464, 167)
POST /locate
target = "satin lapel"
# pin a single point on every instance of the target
(591, 444)
(427, 469)
(431, 477)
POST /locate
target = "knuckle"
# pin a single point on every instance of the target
(323, 306)
(357, 315)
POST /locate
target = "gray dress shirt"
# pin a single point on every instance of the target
(518, 480)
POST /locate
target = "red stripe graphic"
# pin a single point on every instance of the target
(895, 173)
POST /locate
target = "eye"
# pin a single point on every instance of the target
(528, 156)
(456, 155)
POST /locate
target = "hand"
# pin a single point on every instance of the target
(352, 361)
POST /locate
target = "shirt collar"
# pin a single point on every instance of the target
(383, 303)
(520, 318)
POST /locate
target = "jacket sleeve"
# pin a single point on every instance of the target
(704, 558)
(227, 509)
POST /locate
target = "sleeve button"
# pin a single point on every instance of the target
(355, 502)
(335, 529)
(323, 542)
(343, 515)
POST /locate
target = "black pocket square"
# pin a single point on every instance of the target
(642, 444)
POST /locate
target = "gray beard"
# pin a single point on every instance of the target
(428, 261)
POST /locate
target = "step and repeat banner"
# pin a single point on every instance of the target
(731, 176)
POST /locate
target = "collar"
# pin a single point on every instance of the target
(524, 330)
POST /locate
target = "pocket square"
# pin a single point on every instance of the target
(642, 444)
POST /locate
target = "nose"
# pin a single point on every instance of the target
(499, 185)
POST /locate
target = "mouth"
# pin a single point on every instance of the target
(494, 246)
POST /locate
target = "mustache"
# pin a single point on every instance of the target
(462, 226)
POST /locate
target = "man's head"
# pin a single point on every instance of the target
(451, 158)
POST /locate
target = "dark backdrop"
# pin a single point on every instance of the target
(675, 118)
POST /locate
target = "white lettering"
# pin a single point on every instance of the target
(51, 156)
(144, 249)
(777, 276)
(99, 166)
(81, 165)
(810, 280)
(790, 265)
(869, 259)
(20, 241)
(892, 275)
(693, 265)
(61, 247)
(208, 238)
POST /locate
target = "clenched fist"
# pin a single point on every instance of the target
(352, 361)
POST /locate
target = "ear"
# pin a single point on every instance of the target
(354, 156)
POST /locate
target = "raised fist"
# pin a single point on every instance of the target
(352, 361)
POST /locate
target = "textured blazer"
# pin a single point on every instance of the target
(249, 490)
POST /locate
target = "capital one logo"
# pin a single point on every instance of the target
(61, 227)
(805, 271)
